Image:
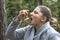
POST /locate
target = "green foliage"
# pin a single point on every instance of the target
(52, 5)
(58, 10)
(14, 6)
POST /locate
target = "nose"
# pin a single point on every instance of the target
(31, 13)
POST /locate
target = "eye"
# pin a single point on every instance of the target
(35, 12)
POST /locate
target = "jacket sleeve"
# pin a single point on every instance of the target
(13, 33)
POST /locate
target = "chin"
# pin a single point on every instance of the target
(31, 23)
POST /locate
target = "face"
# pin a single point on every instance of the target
(36, 17)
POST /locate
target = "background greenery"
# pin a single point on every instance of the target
(14, 6)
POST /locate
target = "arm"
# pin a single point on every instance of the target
(13, 33)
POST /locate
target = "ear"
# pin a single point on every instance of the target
(44, 18)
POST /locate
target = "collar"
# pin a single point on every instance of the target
(43, 27)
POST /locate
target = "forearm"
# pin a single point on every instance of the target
(11, 28)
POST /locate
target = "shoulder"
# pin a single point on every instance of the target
(53, 34)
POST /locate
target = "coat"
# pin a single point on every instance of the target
(45, 32)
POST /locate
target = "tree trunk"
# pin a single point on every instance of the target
(37, 2)
(2, 19)
(41, 2)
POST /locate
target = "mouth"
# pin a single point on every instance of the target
(30, 19)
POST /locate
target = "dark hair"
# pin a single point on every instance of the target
(45, 11)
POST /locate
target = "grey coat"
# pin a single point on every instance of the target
(45, 32)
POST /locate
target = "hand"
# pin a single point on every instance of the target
(22, 15)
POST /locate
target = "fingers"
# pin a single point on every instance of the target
(23, 13)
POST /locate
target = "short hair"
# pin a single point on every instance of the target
(46, 12)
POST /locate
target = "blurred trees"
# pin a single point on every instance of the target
(52, 4)
(58, 4)
(2, 20)
(14, 6)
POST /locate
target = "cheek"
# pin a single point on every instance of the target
(37, 19)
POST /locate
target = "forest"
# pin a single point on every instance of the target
(10, 9)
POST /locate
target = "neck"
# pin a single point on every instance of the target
(38, 26)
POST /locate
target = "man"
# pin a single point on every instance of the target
(38, 29)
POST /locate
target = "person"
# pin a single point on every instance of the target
(53, 22)
(38, 28)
